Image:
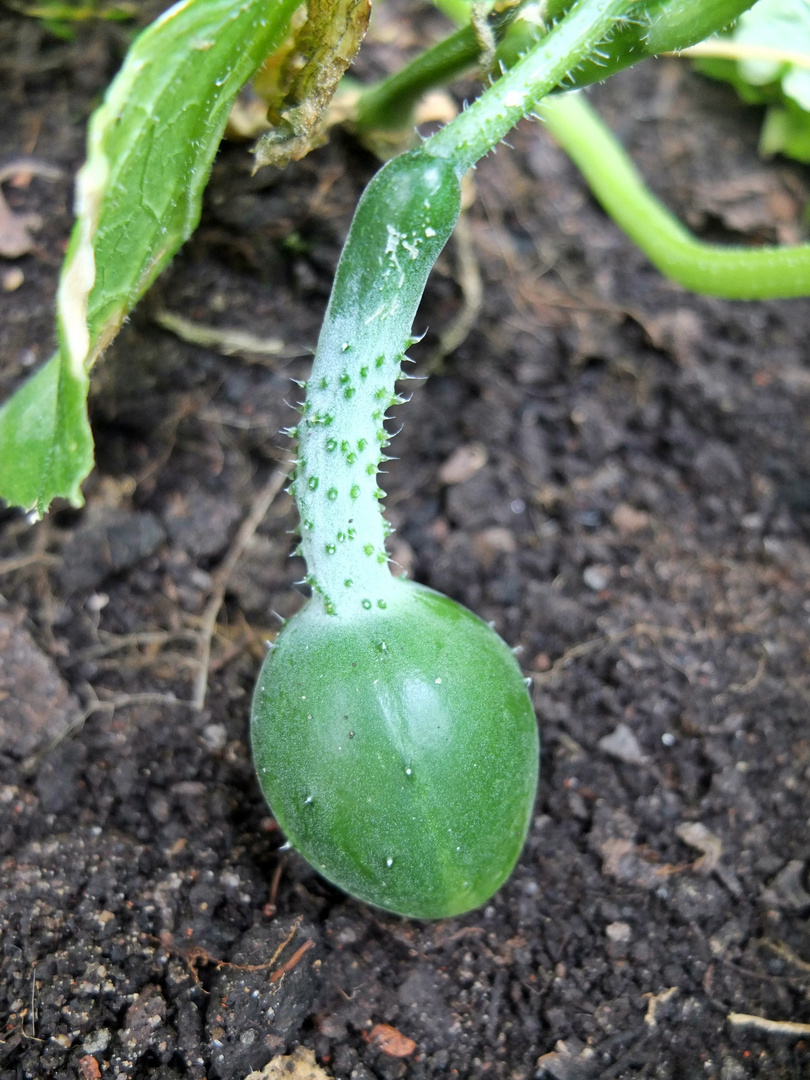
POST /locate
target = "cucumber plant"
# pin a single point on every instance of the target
(393, 733)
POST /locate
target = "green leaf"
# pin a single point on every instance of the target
(766, 57)
(786, 131)
(45, 440)
(783, 27)
(151, 145)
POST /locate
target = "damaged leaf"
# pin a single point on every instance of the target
(305, 83)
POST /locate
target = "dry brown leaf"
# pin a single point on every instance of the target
(308, 78)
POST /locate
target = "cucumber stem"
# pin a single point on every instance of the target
(550, 62)
(401, 224)
(341, 438)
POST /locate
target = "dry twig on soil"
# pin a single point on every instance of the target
(259, 507)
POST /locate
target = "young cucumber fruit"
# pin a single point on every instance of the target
(393, 734)
(398, 750)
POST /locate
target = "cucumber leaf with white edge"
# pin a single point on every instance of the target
(151, 145)
(766, 56)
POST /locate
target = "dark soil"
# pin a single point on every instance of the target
(637, 522)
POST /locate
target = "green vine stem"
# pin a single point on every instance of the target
(666, 26)
(457, 11)
(728, 271)
(551, 60)
(660, 26)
